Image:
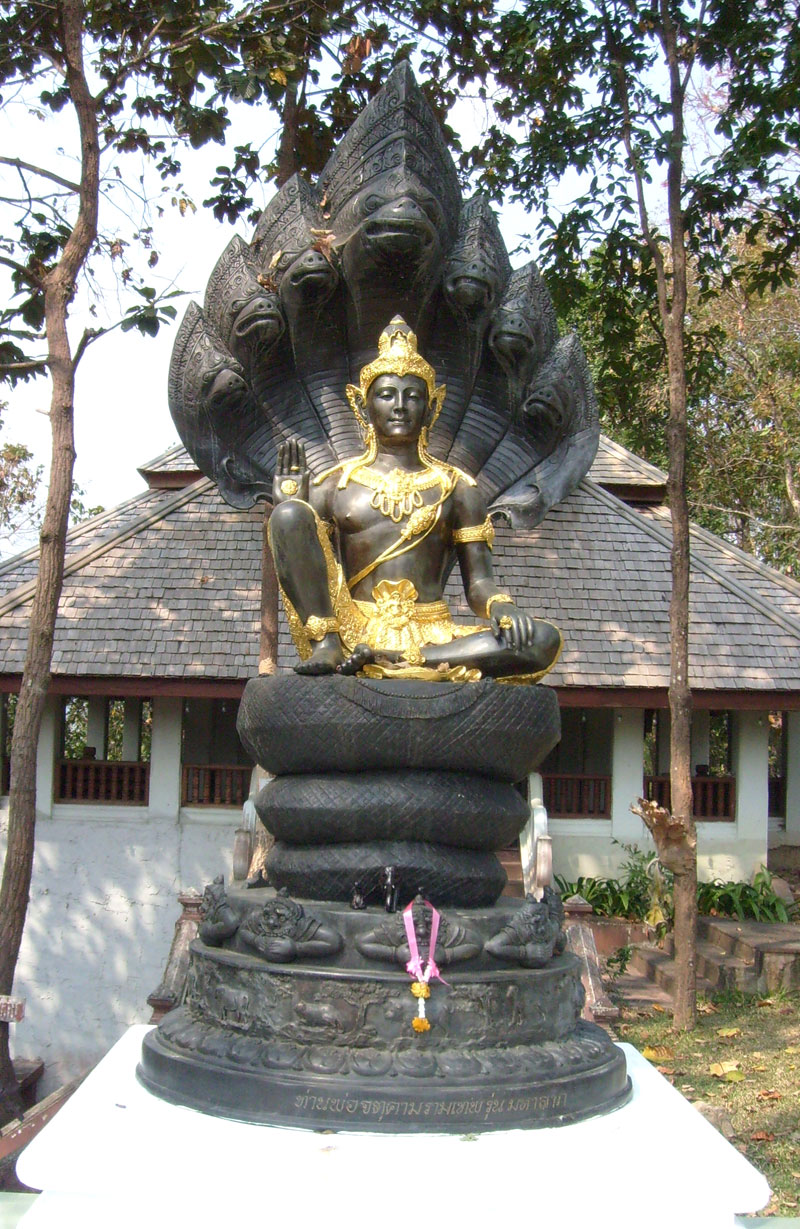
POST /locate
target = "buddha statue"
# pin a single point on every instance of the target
(363, 550)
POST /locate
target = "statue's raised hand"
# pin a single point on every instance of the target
(290, 480)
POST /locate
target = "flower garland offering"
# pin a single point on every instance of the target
(419, 986)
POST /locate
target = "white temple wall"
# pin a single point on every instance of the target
(724, 850)
(104, 902)
(103, 908)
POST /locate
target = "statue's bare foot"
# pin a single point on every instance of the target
(362, 655)
(325, 657)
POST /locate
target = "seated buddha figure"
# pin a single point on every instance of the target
(362, 551)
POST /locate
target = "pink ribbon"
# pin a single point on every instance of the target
(414, 965)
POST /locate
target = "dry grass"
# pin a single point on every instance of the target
(743, 1062)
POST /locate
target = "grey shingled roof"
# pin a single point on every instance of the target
(600, 570)
(22, 568)
(613, 464)
(618, 466)
(781, 591)
(174, 592)
(174, 460)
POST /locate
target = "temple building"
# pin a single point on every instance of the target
(141, 779)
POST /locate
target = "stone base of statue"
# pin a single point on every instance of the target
(335, 1047)
(299, 1008)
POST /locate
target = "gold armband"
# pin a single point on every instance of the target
(316, 628)
(476, 533)
(497, 597)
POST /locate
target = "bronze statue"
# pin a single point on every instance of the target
(296, 1010)
(283, 930)
(399, 516)
(534, 935)
(220, 921)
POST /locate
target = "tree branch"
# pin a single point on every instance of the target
(29, 276)
(669, 41)
(85, 229)
(750, 516)
(39, 170)
(33, 364)
(695, 47)
(199, 30)
(90, 335)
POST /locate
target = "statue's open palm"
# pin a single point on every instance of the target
(291, 472)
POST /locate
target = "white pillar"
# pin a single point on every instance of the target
(792, 736)
(627, 773)
(96, 726)
(751, 769)
(165, 758)
(701, 737)
(46, 758)
(131, 728)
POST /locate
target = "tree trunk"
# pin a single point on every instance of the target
(790, 479)
(680, 696)
(59, 285)
(684, 863)
(287, 150)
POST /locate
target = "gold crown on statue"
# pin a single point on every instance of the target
(398, 356)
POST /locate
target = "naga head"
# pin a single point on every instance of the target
(244, 313)
(524, 328)
(560, 396)
(206, 383)
(392, 192)
(294, 249)
(393, 227)
(478, 268)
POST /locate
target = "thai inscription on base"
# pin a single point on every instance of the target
(376, 1110)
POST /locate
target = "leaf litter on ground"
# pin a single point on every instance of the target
(759, 1098)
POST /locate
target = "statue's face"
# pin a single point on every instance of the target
(397, 406)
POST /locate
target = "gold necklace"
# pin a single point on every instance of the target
(399, 493)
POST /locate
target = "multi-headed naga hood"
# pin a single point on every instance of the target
(289, 320)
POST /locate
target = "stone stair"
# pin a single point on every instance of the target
(753, 957)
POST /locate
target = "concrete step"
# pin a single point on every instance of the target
(638, 991)
(754, 957)
(718, 967)
(749, 938)
(659, 967)
(729, 935)
(773, 949)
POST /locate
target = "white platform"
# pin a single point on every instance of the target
(116, 1157)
